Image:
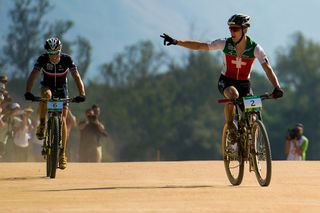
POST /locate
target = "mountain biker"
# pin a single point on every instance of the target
(54, 67)
(240, 52)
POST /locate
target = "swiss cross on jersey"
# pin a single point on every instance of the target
(238, 68)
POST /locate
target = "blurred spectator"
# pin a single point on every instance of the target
(71, 121)
(22, 136)
(9, 123)
(97, 111)
(296, 144)
(3, 90)
(91, 131)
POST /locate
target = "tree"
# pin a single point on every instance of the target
(27, 34)
(83, 54)
(137, 62)
(299, 69)
(24, 40)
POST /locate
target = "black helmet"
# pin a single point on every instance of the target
(53, 45)
(240, 20)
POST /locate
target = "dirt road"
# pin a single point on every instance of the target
(152, 187)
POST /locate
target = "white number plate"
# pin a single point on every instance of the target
(55, 106)
(252, 103)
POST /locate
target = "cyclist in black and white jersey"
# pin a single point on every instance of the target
(54, 67)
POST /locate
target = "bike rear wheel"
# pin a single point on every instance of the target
(53, 146)
(262, 153)
(233, 161)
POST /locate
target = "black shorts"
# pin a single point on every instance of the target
(243, 86)
(57, 92)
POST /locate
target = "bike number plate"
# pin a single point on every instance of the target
(252, 104)
(55, 106)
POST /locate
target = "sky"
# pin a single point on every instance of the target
(111, 25)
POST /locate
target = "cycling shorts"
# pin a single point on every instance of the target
(57, 92)
(243, 86)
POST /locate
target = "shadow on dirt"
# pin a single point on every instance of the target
(22, 178)
(140, 188)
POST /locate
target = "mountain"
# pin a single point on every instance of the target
(113, 24)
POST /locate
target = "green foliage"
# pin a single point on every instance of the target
(299, 68)
(135, 64)
(167, 112)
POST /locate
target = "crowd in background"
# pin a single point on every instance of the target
(18, 141)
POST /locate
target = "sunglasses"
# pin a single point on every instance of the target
(54, 53)
(234, 29)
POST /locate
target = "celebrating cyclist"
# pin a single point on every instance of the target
(54, 66)
(240, 52)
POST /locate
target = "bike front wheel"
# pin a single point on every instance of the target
(261, 153)
(232, 157)
(53, 142)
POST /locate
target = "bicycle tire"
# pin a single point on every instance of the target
(262, 160)
(47, 152)
(54, 138)
(233, 165)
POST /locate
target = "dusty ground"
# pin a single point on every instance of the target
(175, 187)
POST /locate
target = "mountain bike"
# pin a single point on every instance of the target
(247, 141)
(52, 143)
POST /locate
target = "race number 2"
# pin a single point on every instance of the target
(252, 103)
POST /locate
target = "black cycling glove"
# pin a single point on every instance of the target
(168, 40)
(29, 96)
(277, 92)
(80, 98)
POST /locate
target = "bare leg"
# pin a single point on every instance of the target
(230, 93)
(45, 93)
(62, 155)
(64, 128)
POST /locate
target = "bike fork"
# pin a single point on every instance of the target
(250, 150)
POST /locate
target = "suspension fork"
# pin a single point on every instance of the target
(251, 150)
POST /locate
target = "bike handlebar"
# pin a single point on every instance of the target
(65, 100)
(240, 100)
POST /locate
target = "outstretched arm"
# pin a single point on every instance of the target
(194, 45)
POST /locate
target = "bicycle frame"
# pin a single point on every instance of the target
(244, 125)
(250, 135)
(53, 135)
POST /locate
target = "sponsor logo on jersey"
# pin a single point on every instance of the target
(49, 66)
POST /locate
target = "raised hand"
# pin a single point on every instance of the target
(168, 40)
